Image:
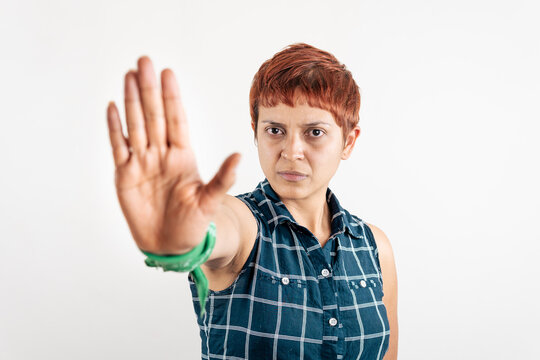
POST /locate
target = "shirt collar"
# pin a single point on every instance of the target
(277, 213)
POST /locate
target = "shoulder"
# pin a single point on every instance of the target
(381, 240)
(245, 216)
(387, 262)
(244, 213)
(243, 232)
(385, 254)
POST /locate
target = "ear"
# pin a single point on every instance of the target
(349, 142)
(253, 125)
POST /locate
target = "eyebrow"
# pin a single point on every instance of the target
(305, 125)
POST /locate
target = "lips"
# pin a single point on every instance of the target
(291, 173)
(292, 176)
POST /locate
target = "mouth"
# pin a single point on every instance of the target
(292, 175)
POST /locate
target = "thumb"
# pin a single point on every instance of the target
(223, 180)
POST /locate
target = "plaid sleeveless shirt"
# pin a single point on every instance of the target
(295, 300)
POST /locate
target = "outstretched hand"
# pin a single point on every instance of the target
(166, 204)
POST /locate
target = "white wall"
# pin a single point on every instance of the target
(447, 163)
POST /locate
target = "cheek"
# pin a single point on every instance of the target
(267, 155)
(326, 161)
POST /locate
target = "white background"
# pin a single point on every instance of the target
(447, 163)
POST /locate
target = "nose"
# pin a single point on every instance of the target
(293, 149)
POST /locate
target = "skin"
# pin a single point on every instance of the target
(163, 197)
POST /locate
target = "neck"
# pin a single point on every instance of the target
(312, 213)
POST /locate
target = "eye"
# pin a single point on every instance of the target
(317, 132)
(272, 130)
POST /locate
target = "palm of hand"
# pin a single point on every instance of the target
(158, 185)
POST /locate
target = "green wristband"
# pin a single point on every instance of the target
(190, 261)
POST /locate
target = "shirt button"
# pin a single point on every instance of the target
(325, 272)
(285, 280)
(363, 283)
(333, 321)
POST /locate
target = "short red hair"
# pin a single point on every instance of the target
(318, 77)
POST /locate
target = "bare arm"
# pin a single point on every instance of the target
(390, 288)
(230, 232)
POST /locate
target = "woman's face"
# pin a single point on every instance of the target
(300, 139)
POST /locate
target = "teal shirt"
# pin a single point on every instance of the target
(295, 300)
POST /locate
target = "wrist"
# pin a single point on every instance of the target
(187, 260)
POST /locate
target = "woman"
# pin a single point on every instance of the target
(292, 274)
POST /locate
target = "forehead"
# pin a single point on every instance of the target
(301, 114)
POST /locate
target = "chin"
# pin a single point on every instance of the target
(289, 189)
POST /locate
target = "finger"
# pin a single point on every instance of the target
(221, 182)
(152, 103)
(177, 127)
(134, 115)
(119, 143)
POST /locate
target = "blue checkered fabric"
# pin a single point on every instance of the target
(295, 300)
